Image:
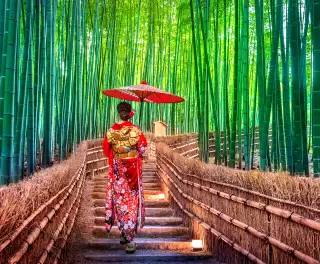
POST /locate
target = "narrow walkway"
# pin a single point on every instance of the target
(164, 238)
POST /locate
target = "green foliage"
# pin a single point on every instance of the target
(239, 65)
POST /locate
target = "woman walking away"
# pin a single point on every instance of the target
(124, 145)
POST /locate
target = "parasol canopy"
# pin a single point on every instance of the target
(143, 93)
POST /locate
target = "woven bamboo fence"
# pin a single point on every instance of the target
(244, 217)
(188, 144)
(37, 214)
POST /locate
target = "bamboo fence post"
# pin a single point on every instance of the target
(268, 209)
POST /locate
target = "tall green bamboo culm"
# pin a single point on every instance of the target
(245, 80)
(232, 143)
(4, 18)
(271, 86)
(7, 171)
(316, 87)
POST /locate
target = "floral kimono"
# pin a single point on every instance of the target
(124, 145)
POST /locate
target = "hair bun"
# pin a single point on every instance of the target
(124, 109)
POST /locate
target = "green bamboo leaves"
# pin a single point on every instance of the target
(244, 68)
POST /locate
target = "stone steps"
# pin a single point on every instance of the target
(147, 196)
(148, 256)
(102, 188)
(150, 212)
(146, 186)
(150, 180)
(163, 238)
(145, 179)
(146, 231)
(143, 243)
(148, 203)
(151, 221)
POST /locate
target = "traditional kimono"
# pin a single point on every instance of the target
(124, 145)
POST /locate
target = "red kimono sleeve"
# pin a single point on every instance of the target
(142, 144)
(107, 150)
(105, 146)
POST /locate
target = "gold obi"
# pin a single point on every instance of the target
(124, 142)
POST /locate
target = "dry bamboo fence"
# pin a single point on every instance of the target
(38, 231)
(235, 215)
(188, 143)
(39, 237)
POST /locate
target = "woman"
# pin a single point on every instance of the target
(124, 145)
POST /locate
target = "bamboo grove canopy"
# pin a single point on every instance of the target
(239, 64)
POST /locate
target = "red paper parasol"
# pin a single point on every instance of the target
(143, 93)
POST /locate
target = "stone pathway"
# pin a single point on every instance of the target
(163, 239)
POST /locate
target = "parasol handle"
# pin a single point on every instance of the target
(140, 114)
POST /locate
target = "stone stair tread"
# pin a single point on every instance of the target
(163, 238)
(103, 177)
(141, 240)
(148, 190)
(145, 179)
(147, 231)
(152, 211)
(150, 180)
(162, 221)
(147, 196)
(148, 203)
(148, 255)
(103, 183)
(154, 192)
(97, 191)
(102, 187)
(151, 184)
(172, 243)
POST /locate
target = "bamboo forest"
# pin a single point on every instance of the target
(248, 70)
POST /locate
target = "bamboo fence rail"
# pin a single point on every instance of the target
(41, 238)
(43, 224)
(206, 226)
(179, 171)
(96, 160)
(50, 245)
(245, 227)
(35, 214)
(95, 151)
(188, 147)
(192, 193)
(27, 250)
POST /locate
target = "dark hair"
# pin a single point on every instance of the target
(124, 109)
